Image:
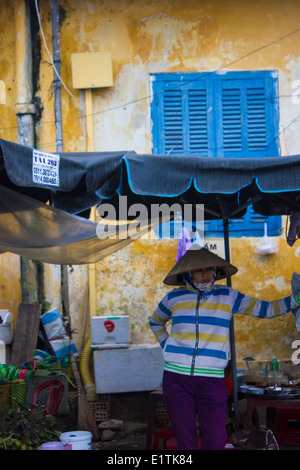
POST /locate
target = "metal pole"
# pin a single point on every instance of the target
(56, 79)
(58, 127)
(232, 340)
(25, 111)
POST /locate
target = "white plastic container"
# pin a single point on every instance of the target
(76, 440)
(138, 368)
(110, 330)
(2, 352)
(6, 327)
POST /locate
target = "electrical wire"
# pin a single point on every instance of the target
(48, 52)
(56, 71)
(203, 75)
(151, 96)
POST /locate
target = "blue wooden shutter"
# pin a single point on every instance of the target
(231, 120)
(173, 121)
(180, 124)
(197, 122)
(246, 119)
(246, 115)
(219, 115)
(256, 119)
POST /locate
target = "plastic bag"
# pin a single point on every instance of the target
(53, 324)
(296, 288)
(247, 436)
(6, 326)
(184, 243)
(266, 245)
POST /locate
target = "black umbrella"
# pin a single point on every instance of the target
(75, 182)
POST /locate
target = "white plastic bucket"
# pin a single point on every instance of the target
(77, 440)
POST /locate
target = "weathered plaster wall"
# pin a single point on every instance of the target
(8, 123)
(144, 38)
(10, 289)
(130, 282)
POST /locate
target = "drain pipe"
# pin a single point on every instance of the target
(25, 111)
(56, 80)
(58, 129)
(88, 383)
(25, 108)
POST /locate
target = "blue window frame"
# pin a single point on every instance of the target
(222, 115)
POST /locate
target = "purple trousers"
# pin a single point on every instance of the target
(188, 396)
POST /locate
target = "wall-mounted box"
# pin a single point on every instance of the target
(91, 70)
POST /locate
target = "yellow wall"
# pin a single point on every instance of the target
(130, 282)
(156, 37)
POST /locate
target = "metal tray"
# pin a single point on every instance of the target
(270, 392)
(282, 392)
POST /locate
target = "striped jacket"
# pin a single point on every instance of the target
(198, 342)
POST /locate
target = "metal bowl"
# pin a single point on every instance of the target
(279, 391)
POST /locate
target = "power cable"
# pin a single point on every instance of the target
(203, 75)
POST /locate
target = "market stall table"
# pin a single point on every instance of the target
(271, 403)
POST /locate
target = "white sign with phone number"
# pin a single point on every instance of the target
(45, 168)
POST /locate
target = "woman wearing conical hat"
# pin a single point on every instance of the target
(196, 351)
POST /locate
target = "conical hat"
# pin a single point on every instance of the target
(197, 258)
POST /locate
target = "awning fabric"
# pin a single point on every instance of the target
(79, 175)
(38, 231)
(224, 186)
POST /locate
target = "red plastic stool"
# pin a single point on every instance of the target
(165, 433)
(285, 432)
(55, 394)
(171, 444)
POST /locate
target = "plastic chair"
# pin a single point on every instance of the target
(287, 426)
(55, 394)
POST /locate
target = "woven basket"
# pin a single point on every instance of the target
(4, 396)
(12, 394)
(18, 390)
(37, 378)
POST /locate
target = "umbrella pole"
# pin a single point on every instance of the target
(232, 341)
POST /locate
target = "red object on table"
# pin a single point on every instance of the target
(284, 431)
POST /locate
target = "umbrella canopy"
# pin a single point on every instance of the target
(225, 186)
(68, 180)
(75, 182)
